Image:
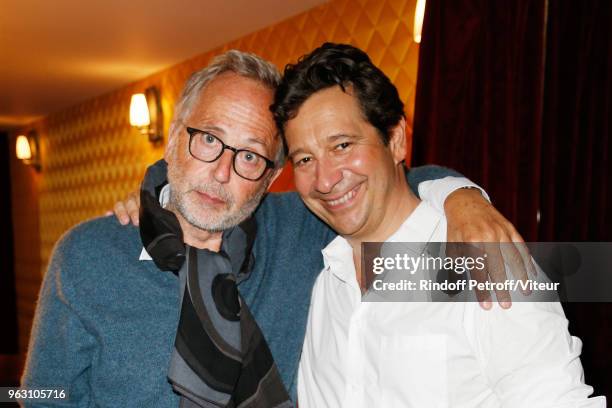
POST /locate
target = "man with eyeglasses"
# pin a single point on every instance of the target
(114, 330)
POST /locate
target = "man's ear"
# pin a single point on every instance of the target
(173, 135)
(275, 175)
(397, 141)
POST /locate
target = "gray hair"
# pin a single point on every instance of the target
(242, 63)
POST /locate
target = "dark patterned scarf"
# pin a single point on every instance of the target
(220, 357)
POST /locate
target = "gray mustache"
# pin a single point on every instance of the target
(215, 190)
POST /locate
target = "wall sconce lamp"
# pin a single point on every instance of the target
(419, 14)
(26, 149)
(146, 114)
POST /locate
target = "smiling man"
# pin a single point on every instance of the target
(345, 130)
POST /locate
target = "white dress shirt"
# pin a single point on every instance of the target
(409, 354)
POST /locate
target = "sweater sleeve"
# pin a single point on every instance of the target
(61, 348)
(417, 175)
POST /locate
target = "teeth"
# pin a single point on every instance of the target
(343, 199)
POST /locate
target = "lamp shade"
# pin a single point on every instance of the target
(139, 110)
(22, 148)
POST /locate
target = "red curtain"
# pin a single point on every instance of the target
(517, 96)
(479, 98)
(576, 196)
(576, 191)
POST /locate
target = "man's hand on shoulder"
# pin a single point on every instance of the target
(471, 218)
(127, 210)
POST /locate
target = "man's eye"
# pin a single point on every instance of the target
(302, 161)
(342, 146)
(209, 139)
(249, 158)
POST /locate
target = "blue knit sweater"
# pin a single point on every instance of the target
(105, 322)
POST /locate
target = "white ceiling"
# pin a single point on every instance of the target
(56, 53)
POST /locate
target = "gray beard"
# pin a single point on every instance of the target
(219, 223)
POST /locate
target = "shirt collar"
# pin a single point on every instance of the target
(335, 259)
(164, 199)
(420, 226)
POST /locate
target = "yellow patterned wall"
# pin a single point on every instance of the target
(91, 156)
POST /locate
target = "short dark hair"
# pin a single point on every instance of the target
(339, 65)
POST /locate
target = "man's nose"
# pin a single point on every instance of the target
(328, 174)
(223, 167)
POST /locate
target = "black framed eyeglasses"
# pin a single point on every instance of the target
(208, 148)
